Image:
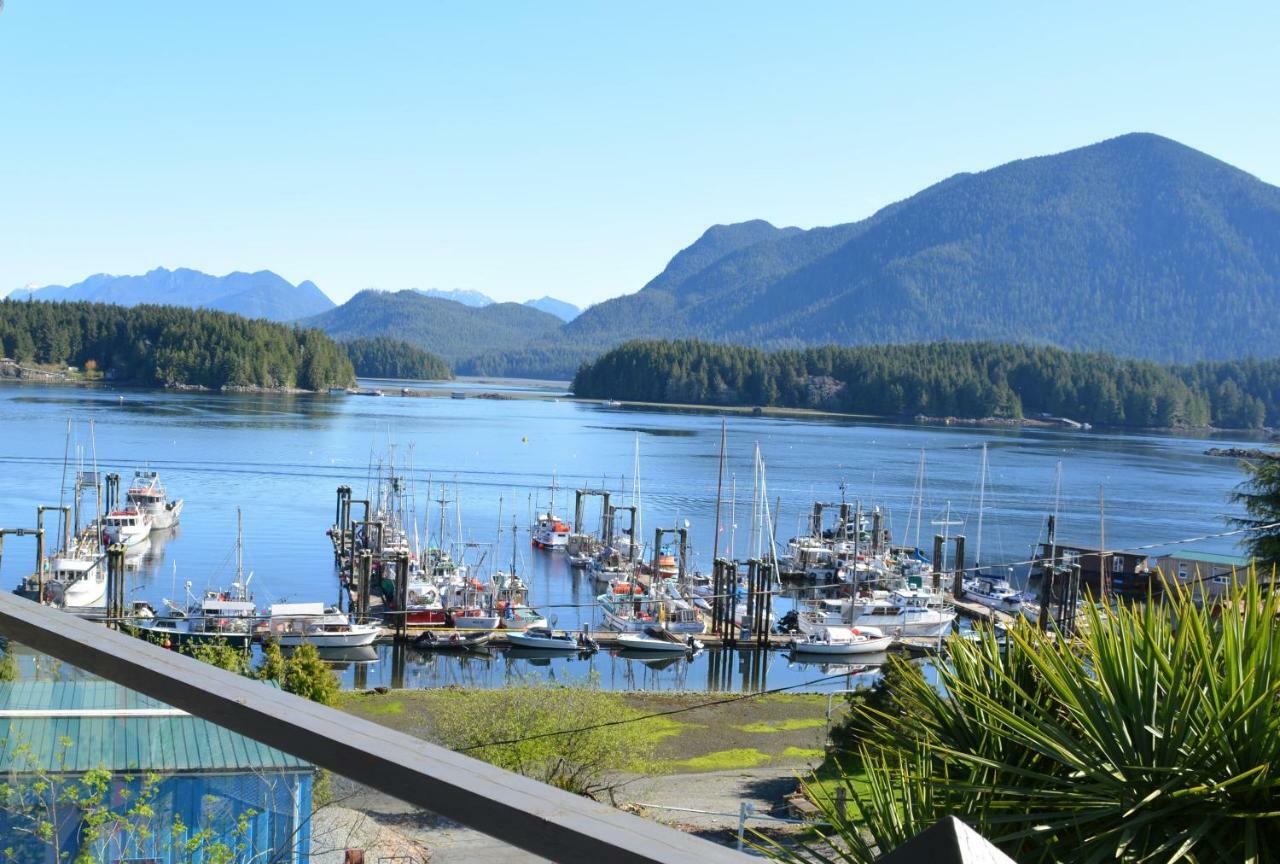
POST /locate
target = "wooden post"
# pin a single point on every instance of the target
(937, 562)
(366, 575)
(957, 582)
(402, 595)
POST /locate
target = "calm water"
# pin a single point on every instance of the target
(279, 458)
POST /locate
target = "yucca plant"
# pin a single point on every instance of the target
(1151, 736)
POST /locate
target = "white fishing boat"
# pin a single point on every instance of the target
(658, 639)
(843, 640)
(129, 526)
(546, 639)
(147, 494)
(993, 592)
(907, 611)
(293, 624)
(549, 531)
(76, 581)
(628, 608)
(903, 612)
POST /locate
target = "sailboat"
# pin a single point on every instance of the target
(986, 588)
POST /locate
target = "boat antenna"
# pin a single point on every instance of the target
(239, 545)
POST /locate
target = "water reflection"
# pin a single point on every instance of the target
(719, 670)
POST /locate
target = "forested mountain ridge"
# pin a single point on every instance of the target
(1139, 246)
(254, 295)
(172, 346)
(446, 328)
(962, 379)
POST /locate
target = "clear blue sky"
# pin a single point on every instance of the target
(560, 148)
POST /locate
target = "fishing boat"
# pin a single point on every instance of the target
(228, 616)
(659, 639)
(629, 608)
(549, 530)
(219, 616)
(293, 624)
(843, 640)
(993, 592)
(423, 606)
(147, 494)
(513, 595)
(77, 580)
(546, 639)
(129, 526)
(904, 611)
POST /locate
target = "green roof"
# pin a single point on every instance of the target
(112, 727)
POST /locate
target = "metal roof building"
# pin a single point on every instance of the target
(204, 776)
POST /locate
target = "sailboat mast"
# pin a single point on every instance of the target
(637, 535)
(239, 547)
(733, 517)
(715, 539)
(982, 501)
(919, 497)
(755, 502)
(1104, 575)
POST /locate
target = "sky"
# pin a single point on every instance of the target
(570, 149)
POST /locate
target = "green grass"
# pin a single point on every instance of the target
(803, 753)
(831, 774)
(722, 760)
(791, 725)
(662, 728)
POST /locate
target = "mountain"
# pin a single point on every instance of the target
(1138, 245)
(254, 295)
(466, 298)
(559, 308)
(444, 327)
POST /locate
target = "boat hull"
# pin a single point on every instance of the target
(877, 645)
(522, 640)
(356, 639)
(636, 642)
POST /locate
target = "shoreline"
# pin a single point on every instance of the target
(535, 392)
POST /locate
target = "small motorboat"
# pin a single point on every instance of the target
(431, 640)
(843, 640)
(659, 639)
(547, 639)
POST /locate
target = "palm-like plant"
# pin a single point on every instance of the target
(1153, 735)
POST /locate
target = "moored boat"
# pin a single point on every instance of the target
(147, 494)
(128, 526)
(293, 624)
(843, 640)
(658, 639)
(546, 639)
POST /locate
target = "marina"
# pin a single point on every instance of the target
(476, 568)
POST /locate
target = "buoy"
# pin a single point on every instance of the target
(524, 440)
